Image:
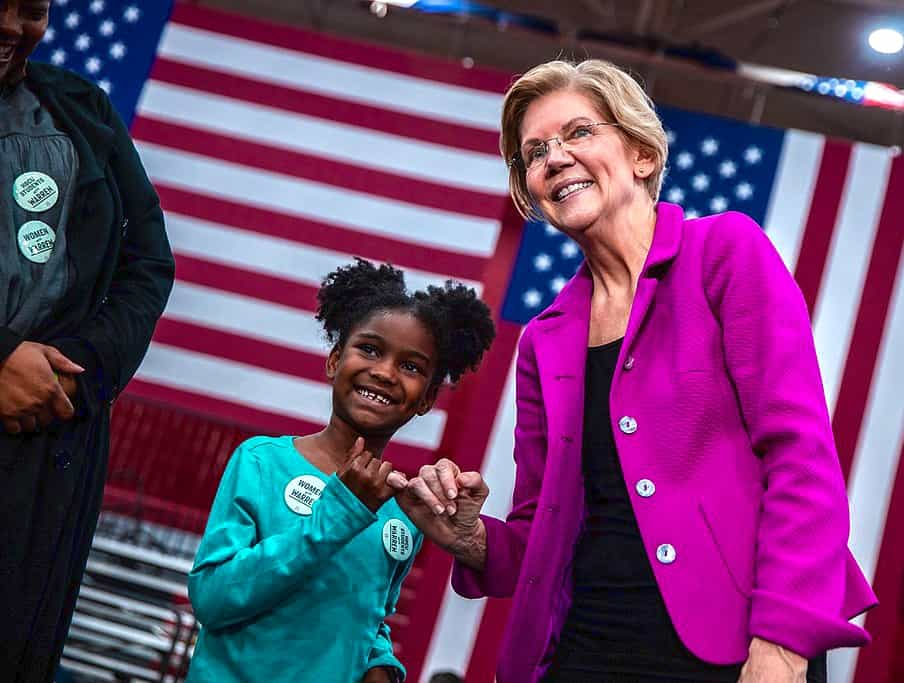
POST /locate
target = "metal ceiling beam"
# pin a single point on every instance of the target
(735, 16)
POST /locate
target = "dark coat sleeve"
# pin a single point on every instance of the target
(111, 345)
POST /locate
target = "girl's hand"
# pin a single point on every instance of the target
(444, 503)
(771, 663)
(377, 675)
(365, 476)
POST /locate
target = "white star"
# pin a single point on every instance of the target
(718, 203)
(841, 90)
(96, 6)
(61, 3)
(131, 14)
(73, 19)
(670, 136)
(728, 168)
(753, 155)
(93, 65)
(49, 35)
(675, 195)
(83, 42)
(105, 85)
(557, 283)
(823, 88)
(700, 182)
(117, 50)
(684, 160)
(569, 249)
(58, 57)
(543, 262)
(744, 191)
(709, 146)
(857, 93)
(551, 230)
(107, 28)
(692, 213)
(532, 298)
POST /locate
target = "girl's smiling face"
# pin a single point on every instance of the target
(22, 26)
(383, 375)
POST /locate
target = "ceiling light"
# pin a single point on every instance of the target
(886, 40)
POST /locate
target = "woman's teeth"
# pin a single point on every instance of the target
(571, 189)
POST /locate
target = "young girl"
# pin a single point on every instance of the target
(305, 549)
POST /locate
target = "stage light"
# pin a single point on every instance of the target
(886, 40)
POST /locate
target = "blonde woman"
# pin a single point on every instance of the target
(679, 510)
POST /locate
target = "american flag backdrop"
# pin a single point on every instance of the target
(279, 154)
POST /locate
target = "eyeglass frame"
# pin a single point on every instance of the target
(517, 159)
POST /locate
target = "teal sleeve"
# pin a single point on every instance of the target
(381, 654)
(238, 575)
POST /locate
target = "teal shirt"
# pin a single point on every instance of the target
(297, 594)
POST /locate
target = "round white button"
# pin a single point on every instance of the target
(645, 488)
(629, 363)
(36, 240)
(302, 492)
(627, 424)
(397, 540)
(35, 191)
(665, 553)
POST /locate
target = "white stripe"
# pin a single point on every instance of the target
(272, 255)
(304, 71)
(459, 619)
(246, 316)
(310, 135)
(789, 203)
(265, 390)
(852, 243)
(321, 202)
(875, 464)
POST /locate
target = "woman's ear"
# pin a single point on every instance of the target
(429, 399)
(332, 362)
(644, 162)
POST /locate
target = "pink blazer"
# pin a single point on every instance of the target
(723, 435)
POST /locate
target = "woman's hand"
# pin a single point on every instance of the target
(771, 663)
(445, 504)
(365, 476)
(30, 394)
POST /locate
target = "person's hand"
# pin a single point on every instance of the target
(378, 674)
(771, 663)
(443, 502)
(30, 394)
(365, 476)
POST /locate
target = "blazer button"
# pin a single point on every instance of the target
(629, 363)
(666, 553)
(62, 459)
(627, 424)
(645, 488)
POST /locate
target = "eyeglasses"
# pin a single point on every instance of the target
(536, 154)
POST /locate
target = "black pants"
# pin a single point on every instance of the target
(51, 485)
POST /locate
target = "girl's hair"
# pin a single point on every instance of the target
(460, 322)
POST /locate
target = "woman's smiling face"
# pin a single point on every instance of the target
(575, 188)
(22, 27)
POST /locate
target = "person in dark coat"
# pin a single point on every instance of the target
(85, 272)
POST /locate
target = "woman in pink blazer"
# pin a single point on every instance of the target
(679, 511)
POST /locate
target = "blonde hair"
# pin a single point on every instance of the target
(618, 97)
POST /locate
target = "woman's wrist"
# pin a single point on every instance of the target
(470, 548)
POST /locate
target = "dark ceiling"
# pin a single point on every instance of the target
(663, 41)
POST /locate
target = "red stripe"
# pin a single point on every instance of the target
(882, 660)
(820, 226)
(246, 283)
(346, 177)
(471, 416)
(357, 52)
(484, 656)
(404, 457)
(205, 79)
(878, 288)
(322, 235)
(250, 351)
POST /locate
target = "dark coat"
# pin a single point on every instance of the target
(121, 273)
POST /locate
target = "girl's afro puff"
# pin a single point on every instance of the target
(461, 324)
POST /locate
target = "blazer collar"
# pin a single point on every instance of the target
(575, 296)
